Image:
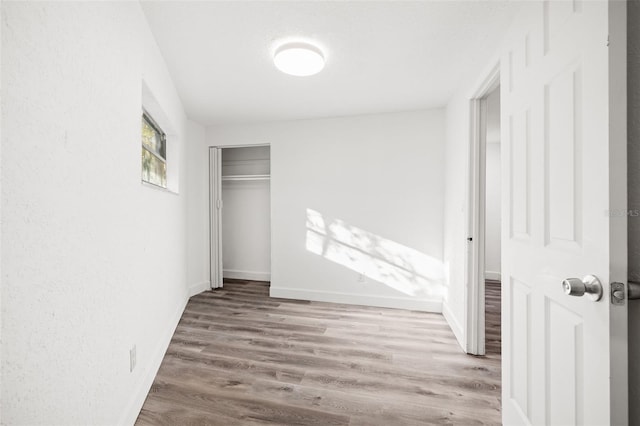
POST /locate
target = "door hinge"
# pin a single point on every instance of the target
(219, 204)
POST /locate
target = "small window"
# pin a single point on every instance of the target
(154, 153)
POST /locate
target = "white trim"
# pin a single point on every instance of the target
(215, 217)
(425, 305)
(216, 271)
(158, 188)
(454, 324)
(199, 288)
(241, 146)
(492, 275)
(132, 411)
(490, 82)
(474, 265)
(246, 275)
(475, 229)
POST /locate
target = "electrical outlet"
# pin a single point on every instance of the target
(132, 358)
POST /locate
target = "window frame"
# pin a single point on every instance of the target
(163, 138)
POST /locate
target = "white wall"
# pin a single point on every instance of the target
(97, 261)
(351, 196)
(493, 186)
(492, 218)
(633, 68)
(197, 190)
(246, 215)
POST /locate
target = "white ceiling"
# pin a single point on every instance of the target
(380, 56)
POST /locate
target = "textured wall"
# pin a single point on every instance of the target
(633, 68)
(198, 209)
(97, 261)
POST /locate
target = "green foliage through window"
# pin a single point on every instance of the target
(154, 157)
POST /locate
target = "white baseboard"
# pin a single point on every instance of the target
(454, 324)
(492, 275)
(246, 275)
(132, 411)
(199, 288)
(425, 305)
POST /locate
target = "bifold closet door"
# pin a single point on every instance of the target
(215, 216)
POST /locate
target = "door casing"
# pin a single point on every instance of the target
(476, 193)
(215, 211)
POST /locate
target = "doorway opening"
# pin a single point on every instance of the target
(483, 298)
(240, 214)
(492, 225)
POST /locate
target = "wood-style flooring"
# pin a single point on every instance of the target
(239, 357)
(492, 317)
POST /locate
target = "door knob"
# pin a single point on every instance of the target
(578, 287)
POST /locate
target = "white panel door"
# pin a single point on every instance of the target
(564, 167)
(215, 216)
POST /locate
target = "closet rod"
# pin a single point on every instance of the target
(246, 177)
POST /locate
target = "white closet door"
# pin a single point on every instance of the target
(215, 216)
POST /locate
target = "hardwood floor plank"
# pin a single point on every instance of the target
(418, 349)
(190, 318)
(336, 351)
(493, 338)
(162, 412)
(244, 407)
(258, 369)
(239, 357)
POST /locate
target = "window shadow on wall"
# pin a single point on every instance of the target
(395, 265)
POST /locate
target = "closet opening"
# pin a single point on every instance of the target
(240, 213)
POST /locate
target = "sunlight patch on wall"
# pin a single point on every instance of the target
(397, 266)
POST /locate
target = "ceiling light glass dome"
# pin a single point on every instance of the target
(299, 59)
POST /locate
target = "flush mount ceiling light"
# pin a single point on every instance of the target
(299, 59)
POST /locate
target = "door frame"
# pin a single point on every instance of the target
(215, 230)
(476, 192)
(215, 217)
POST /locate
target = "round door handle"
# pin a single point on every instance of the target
(579, 287)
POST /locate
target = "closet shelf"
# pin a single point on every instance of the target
(246, 177)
